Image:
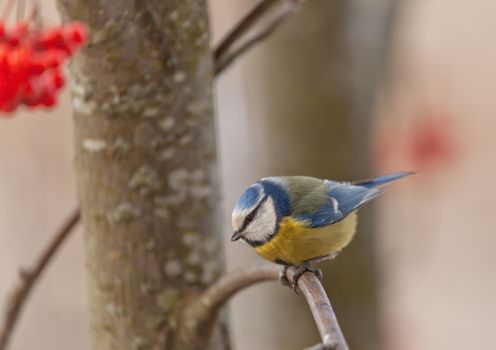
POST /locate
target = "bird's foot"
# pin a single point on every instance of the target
(298, 271)
(283, 277)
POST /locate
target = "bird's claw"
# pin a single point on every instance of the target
(318, 273)
(283, 277)
(298, 271)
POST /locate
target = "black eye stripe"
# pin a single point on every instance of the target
(252, 215)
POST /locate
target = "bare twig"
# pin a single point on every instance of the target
(221, 291)
(323, 314)
(29, 278)
(201, 314)
(245, 24)
(225, 60)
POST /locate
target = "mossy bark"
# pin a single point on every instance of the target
(146, 166)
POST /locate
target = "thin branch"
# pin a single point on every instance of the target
(30, 276)
(323, 314)
(221, 291)
(245, 24)
(225, 60)
(201, 314)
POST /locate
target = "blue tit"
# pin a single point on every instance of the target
(300, 220)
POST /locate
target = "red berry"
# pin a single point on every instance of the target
(19, 61)
(2, 31)
(37, 66)
(30, 61)
(76, 33)
(55, 79)
(48, 99)
(52, 39)
(8, 107)
(18, 33)
(51, 59)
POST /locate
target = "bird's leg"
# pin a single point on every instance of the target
(307, 266)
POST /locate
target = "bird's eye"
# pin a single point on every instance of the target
(249, 218)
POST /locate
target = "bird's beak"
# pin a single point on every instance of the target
(236, 235)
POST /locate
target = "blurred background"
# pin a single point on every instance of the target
(345, 90)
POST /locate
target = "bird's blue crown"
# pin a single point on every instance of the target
(265, 187)
(250, 197)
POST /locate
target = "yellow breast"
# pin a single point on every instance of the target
(294, 243)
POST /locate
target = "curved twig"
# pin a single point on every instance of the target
(201, 314)
(224, 61)
(323, 314)
(30, 276)
(221, 291)
(245, 24)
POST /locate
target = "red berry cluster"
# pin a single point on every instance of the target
(31, 60)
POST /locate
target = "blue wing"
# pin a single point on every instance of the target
(318, 203)
(351, 197)
(383, 180)
(342, 199)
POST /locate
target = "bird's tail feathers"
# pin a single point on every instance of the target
(382, 180)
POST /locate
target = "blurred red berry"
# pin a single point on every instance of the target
(426, 143)
(30, 61)
(52, 59)
(52, 39)
(56, 79)
(431, 143)
(19, 62)
(48, 98)
(2, 31)
(17, 33)
(76, 33)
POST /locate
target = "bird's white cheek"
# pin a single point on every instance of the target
(264, 223)
(238, 216)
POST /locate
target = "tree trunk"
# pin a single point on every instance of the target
(146, 166)
(310, 114)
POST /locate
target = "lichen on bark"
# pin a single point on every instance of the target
(146, 165)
